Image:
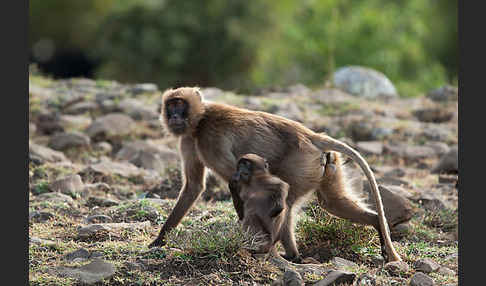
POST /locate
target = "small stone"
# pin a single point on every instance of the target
(342, 263)
(421, 279)
(444, 93)
(68, 185)
(110, 126)
(102, 202)
(448, 162)
(103, 147)
(370, 147)
(45, 153)
(80, 253)
(55, 197)
(426, 265)
(143, 88)
(396, 268)
(40, 241)
(90, 273)
(81, 107)
(94, 228)
(292, 278)
(98, 219)
(336, 277)
(37, 216)
(434, 115)
(66, 140)
(446, 271)
(366, 280)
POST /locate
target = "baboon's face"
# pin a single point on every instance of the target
(246, 166)
(177, 115)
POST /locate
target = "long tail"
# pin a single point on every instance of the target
(326, 143)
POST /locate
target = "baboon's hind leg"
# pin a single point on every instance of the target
(336, 197)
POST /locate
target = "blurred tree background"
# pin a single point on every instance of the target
(244, 45)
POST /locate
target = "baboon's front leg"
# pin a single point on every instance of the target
(193, 186)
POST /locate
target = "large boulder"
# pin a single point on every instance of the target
(365, 82)
(397, 208)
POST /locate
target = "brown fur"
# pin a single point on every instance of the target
(263, 195)
(218, 134)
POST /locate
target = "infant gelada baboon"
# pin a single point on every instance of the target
(263, 196)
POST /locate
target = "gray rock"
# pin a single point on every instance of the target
(111, 126)
(82, 107)
(45, 153)
(400, 230)
(94, 228)
(370, 147)
(444, 93)
(40, 241)
(435, 115)
(342, 263)
(364, 82)
(366, 280)
(78, 122)
(396, 172)
(143, 88)
(432, 200)
(292, 278)
(397, 208)
(448, 162)
(138, 110)
(66, 140)
(69, 185)
(55, 197)
(148, 160)
(99, 219)
(421, 279)
(145, 155)
(80, 253)
(446, 271)
(426, 265)
(437, 133)
(411, 152)
(103, 147)
(396, 268)
(108, 168)
(37, 216)
(440, 148)
(102, 202)
(90, 273)
(336, 277)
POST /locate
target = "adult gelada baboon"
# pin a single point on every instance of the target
(214, 135)
(264, 199)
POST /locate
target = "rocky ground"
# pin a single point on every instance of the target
(103, 177)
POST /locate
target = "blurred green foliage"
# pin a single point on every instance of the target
(246, 44)
(181, 42)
